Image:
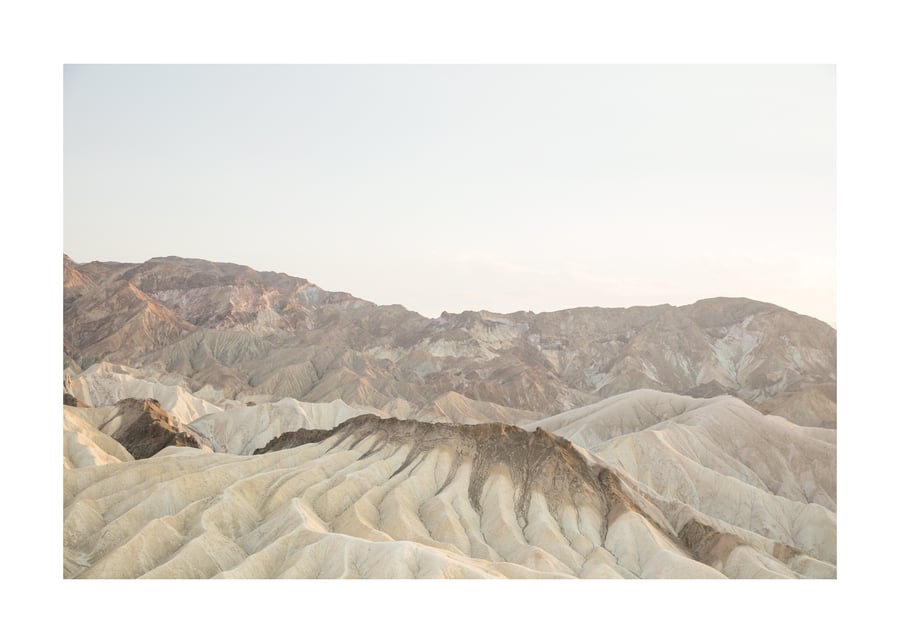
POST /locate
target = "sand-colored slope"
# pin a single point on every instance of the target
(592, 425)
(723, 434)
(388, 499)
(127, 430)
(104, 384)
(83, 444)
(244, 429)
(459, 409)
(719, 461)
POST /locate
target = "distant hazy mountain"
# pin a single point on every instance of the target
(238, 333)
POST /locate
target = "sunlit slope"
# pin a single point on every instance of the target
(83, 444)
(105, 384)
(244, 429)
(755, 475)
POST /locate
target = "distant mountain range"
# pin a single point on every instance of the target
(234, 332)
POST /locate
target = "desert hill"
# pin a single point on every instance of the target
(386, 498)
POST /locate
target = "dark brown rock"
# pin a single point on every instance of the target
(71, 400)
(147, 429)
(291, 439)
(709, 545)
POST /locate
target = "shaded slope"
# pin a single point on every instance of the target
(146, 429)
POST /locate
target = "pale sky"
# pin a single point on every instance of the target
(466, 187)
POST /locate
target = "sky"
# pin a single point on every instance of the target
(450, 188)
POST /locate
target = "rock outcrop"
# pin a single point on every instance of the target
(145, 429)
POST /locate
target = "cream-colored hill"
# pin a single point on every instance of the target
(83, 444)
(244, 429)
(228, 425)
(104, 384)
(592, 425)
(394, 499)
(121, 432)
(782, 489)
(455, 408)
(720, 460)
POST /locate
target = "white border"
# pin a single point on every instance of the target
(37, 38)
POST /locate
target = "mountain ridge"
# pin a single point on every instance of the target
(68, 261)
(246, 331)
